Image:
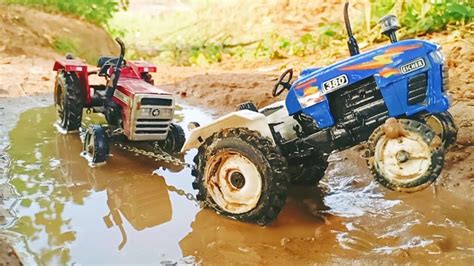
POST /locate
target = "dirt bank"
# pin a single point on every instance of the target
(33, 33)
(30, 41)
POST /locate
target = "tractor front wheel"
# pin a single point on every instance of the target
(68, 100)
(242, 175)
(174, 140)
(443, 125)
(96, 147)
(406, 159)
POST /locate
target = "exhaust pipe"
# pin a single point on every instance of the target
(111, 89)
(351, 42)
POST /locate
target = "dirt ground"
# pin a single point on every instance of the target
(26, 62)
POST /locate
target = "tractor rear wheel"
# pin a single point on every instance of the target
(68, 100)
(409, 162)
(96, 147)
(242, 175)
(309, 170)
(174, 140)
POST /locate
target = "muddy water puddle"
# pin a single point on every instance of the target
(70, 213)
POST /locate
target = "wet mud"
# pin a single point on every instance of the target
(134, 210)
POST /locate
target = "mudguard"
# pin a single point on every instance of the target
(73, 65)
(69, 65)
(244, 118)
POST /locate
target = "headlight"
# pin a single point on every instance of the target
(311, 100)
(166, 112)
(145, 111)
(438, 57)
(389, 23)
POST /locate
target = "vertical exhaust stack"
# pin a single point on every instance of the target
(351, 42)
(110, 90)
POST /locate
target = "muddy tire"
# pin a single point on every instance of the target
(308, 171)
(242, 175)
(408, 163)
(174, 140)
(96, 146)
(443, 125)
(68, 99)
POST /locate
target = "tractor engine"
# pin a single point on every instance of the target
(144, 116)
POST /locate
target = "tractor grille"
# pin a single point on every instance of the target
(152, 126)
(358, 104)
(445, 78)
(417, 87)
(152, 120)
(156, 101)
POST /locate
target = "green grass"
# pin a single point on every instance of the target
(96, 11)
(211, 31)
(64, 45)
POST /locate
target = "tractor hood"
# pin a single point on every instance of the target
(384, 64)
(132, 86)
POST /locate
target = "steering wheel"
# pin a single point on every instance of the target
(283, 83)
(104, 70)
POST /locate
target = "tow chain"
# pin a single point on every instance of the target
(158, 155)
(162, 156)
(181, 192)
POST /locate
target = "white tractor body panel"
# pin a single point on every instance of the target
(244, 118)
(277, 113)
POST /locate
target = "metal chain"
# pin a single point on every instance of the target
(181, 192)
(165, 157)
(159, 155)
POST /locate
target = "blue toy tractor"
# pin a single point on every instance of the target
(392, 99)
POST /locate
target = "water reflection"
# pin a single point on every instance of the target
(65, 203)
(121, 213)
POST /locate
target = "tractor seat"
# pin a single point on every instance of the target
(102, 61)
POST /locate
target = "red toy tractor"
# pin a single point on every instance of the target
(131, 104)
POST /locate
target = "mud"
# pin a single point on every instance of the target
(70, 213)
(57, 210)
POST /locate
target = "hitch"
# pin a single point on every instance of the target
(392, 128)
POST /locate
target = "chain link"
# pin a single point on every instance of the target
(159, 155)
(162, 156)
(181, 192)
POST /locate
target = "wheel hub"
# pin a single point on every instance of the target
(404, 158)
(233, 182)
(237, 180)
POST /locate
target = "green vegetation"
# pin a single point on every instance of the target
(96, 11)
(213, 31)
(64, 45)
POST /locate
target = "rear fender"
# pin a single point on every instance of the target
(142, 67)
(76, 66)
(244, 118)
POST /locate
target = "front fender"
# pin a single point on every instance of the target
(244, 118)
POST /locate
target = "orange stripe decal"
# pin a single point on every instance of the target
(305, 84)
(384, 59)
